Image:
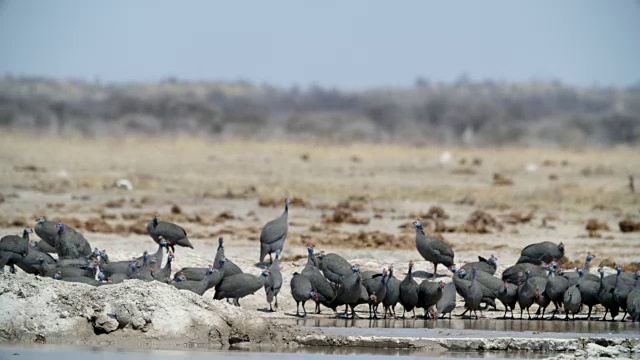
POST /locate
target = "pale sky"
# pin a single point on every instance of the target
(348, 44)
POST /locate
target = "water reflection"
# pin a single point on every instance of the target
(529, 326)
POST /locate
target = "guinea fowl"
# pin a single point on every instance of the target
(219, 254)
(240, 285)
(555, 289)
(324, 290)
(572, 301)
(48, 269)
(164, 272)
(349, 292)
(198, 287)
(447, 302)
(47, 231)
(31, 263)
(274, 282)
(526, 295)
(605, 294)
(13, 248)
(574, 276)
(588, 291)
(508, 296)
(43, 246)
(70, 244)
(486, 265)
(542, 300)
(543, 252)
(432, 249)
(274, 233)
(145, 272)
(622, 290)
(474, 295)
(409, 292)
(489, 284)
(633, 303)
(393, 294)
(515, 274)
(301, 291)
(377, 286)
(429, 293)
(334, 267)
(172, 233)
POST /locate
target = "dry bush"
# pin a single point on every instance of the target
(293, 257)
(341, 215)
(463, 171)
(517, 217)
(631, 267)
(97, 225)
(279, 202)
(434, 212)
(501, 180)
(175, 209)
(480, 221)
(28, 168)
(602, 207)
(596, 225)
(553, 177)
(628, 225)
(115, 204)
(607, 262)
(565, 263)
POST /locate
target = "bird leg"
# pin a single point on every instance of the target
(521, 312)
(297, 308)
(589, 315)
(317, 308)
(435, 270)
(528, 313)
(276, 301)
(606, 311)
(305, 310)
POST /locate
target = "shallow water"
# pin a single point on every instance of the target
(51, 352)
(471, 328)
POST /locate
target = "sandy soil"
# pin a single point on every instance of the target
(355, 200)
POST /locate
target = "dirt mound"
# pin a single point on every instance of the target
(55, 311)
(628, 225)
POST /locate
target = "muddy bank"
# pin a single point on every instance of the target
(133, 313)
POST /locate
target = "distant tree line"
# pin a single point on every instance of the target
(463, 112)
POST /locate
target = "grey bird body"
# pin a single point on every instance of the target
(274, 282)
(240, 285)
(334, 267)
(44, 247)
(633, 304)
(622, 290)
(31, 263)
(325, 292)
(588, 292)
(172, 233)
(349, 291)
(515, 274)
(301, 291)
(526, 295)
(429, 293)
(432, 249)
(474, 295)
(393, 294)
(543, 252)
(556, 287)
(447, 302)
(508, 296)
(572, 301)
(47, 231)
(13, 249)
(605, 294)
(70, 244)
(409, 292)
(198, 287)
(489, 284)
(376, 285)
(485, 265)
(274, 234)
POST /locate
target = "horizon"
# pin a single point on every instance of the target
(352, 46)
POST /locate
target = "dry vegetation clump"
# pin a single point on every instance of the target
(434, 212)
(28, 168)
(293, 257)
(115, 204)
(175, 209)
(463, 171)
(565, 263)
(517, 217)
(628, 225)
(603, 207)
(342, 215)
(596, 225)
(553, 177)
(607, 262)
(631, 267)
(279, 202)
(596, 170)
(98, 225)
(480, 222)
(369, 239)
(501, 180)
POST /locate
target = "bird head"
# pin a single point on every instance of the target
(266, 273)
(27, 230)
(561, 247)
(555, 265)
(417, 224)
(493, 259)
(59, 228)
(162, 242)
(310, 248)
(453, 269)
(40, 220)
(537, 293)
(220, 241)
(355, 268)
(373, 297)
(618, 270)
(314, 295)
(462, 272)
(590, 257)
(222, 261)
(286, 203)
(580, 272)
(442, 284)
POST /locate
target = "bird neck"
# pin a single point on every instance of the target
(155, 221)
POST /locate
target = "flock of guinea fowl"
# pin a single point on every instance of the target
(331, 281)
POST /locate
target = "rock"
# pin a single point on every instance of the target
(104, 323)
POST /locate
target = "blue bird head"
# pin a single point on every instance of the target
(493, 259)
(59, 228)
(310, 248)
(220, 240)
(41, 220)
